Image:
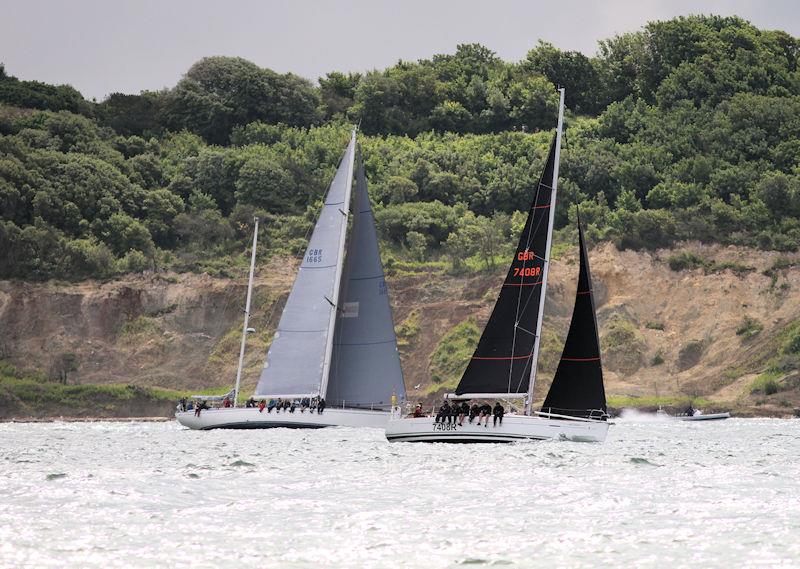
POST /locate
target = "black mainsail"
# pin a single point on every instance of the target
(365, 369)
(577, 387)
(502, 362)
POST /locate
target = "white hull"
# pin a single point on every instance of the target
(704, 417)
(251, 418)
(514, 428)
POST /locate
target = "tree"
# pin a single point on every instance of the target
(265, 183)
(63, 365)
(36, 95)
(338, 92)
(417, 245)
(570, 69)
(534, 103)
(124, 233)
(450, 115)
(219, 93)
(133, 114)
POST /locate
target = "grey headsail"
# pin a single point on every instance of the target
(300, 353)
(365, 369)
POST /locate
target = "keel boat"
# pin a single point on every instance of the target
(503, 366)
(335, 343)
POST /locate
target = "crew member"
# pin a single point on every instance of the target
(498, 413)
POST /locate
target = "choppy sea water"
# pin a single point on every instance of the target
(655, 494)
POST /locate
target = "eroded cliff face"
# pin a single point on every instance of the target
(662, 332)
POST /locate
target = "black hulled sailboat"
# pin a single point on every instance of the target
(504, 363)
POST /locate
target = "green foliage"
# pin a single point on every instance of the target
(691, 353)
(686, 260)
(449, 360)
(29, 393)
(657, 360)
(218, 93)
(138, 327)
(654, 325)
(619, 333)
(623, 401)
(767, 383)
(407, 330)
(684, 130)
(36, 95)
(749, 327)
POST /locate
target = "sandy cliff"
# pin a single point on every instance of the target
(663, 332)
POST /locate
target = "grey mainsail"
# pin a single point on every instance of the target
(298, 359)
(365, 369)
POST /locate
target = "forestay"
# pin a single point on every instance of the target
(365, 369)
(301, 348)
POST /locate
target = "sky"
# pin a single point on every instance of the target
(106, 46)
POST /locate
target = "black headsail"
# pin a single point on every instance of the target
(577, 387)
(502, 361)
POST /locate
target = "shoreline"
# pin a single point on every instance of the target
(88, 420)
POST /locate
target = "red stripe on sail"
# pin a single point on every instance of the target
(581, 359)
(522, 284)
(506, 358)
(541, 206)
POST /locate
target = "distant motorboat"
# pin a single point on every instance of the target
(695, 415)
(700, 416)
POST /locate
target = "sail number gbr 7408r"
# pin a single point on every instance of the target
(527, 271)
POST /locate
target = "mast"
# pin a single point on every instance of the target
(246, 313)
(546, 269)
(326, 365)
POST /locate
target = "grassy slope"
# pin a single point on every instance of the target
(30, 396)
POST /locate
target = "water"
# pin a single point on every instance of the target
(656, 494)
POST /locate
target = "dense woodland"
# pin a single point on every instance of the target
(686, 129)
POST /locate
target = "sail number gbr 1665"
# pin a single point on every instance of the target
(314, 256)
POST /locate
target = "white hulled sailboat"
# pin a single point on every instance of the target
(335, 340)
(504, 363)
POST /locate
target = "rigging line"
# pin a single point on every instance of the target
(531, 232)
(523, 375)
(528, 331)
(529, 223)
(544, 261)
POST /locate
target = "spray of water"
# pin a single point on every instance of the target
(636, 416)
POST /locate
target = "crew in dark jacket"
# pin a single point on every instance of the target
(444, 413)
(498, 413)
(463, 412)
(455, 410)
(473, 412)
(486, 410)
